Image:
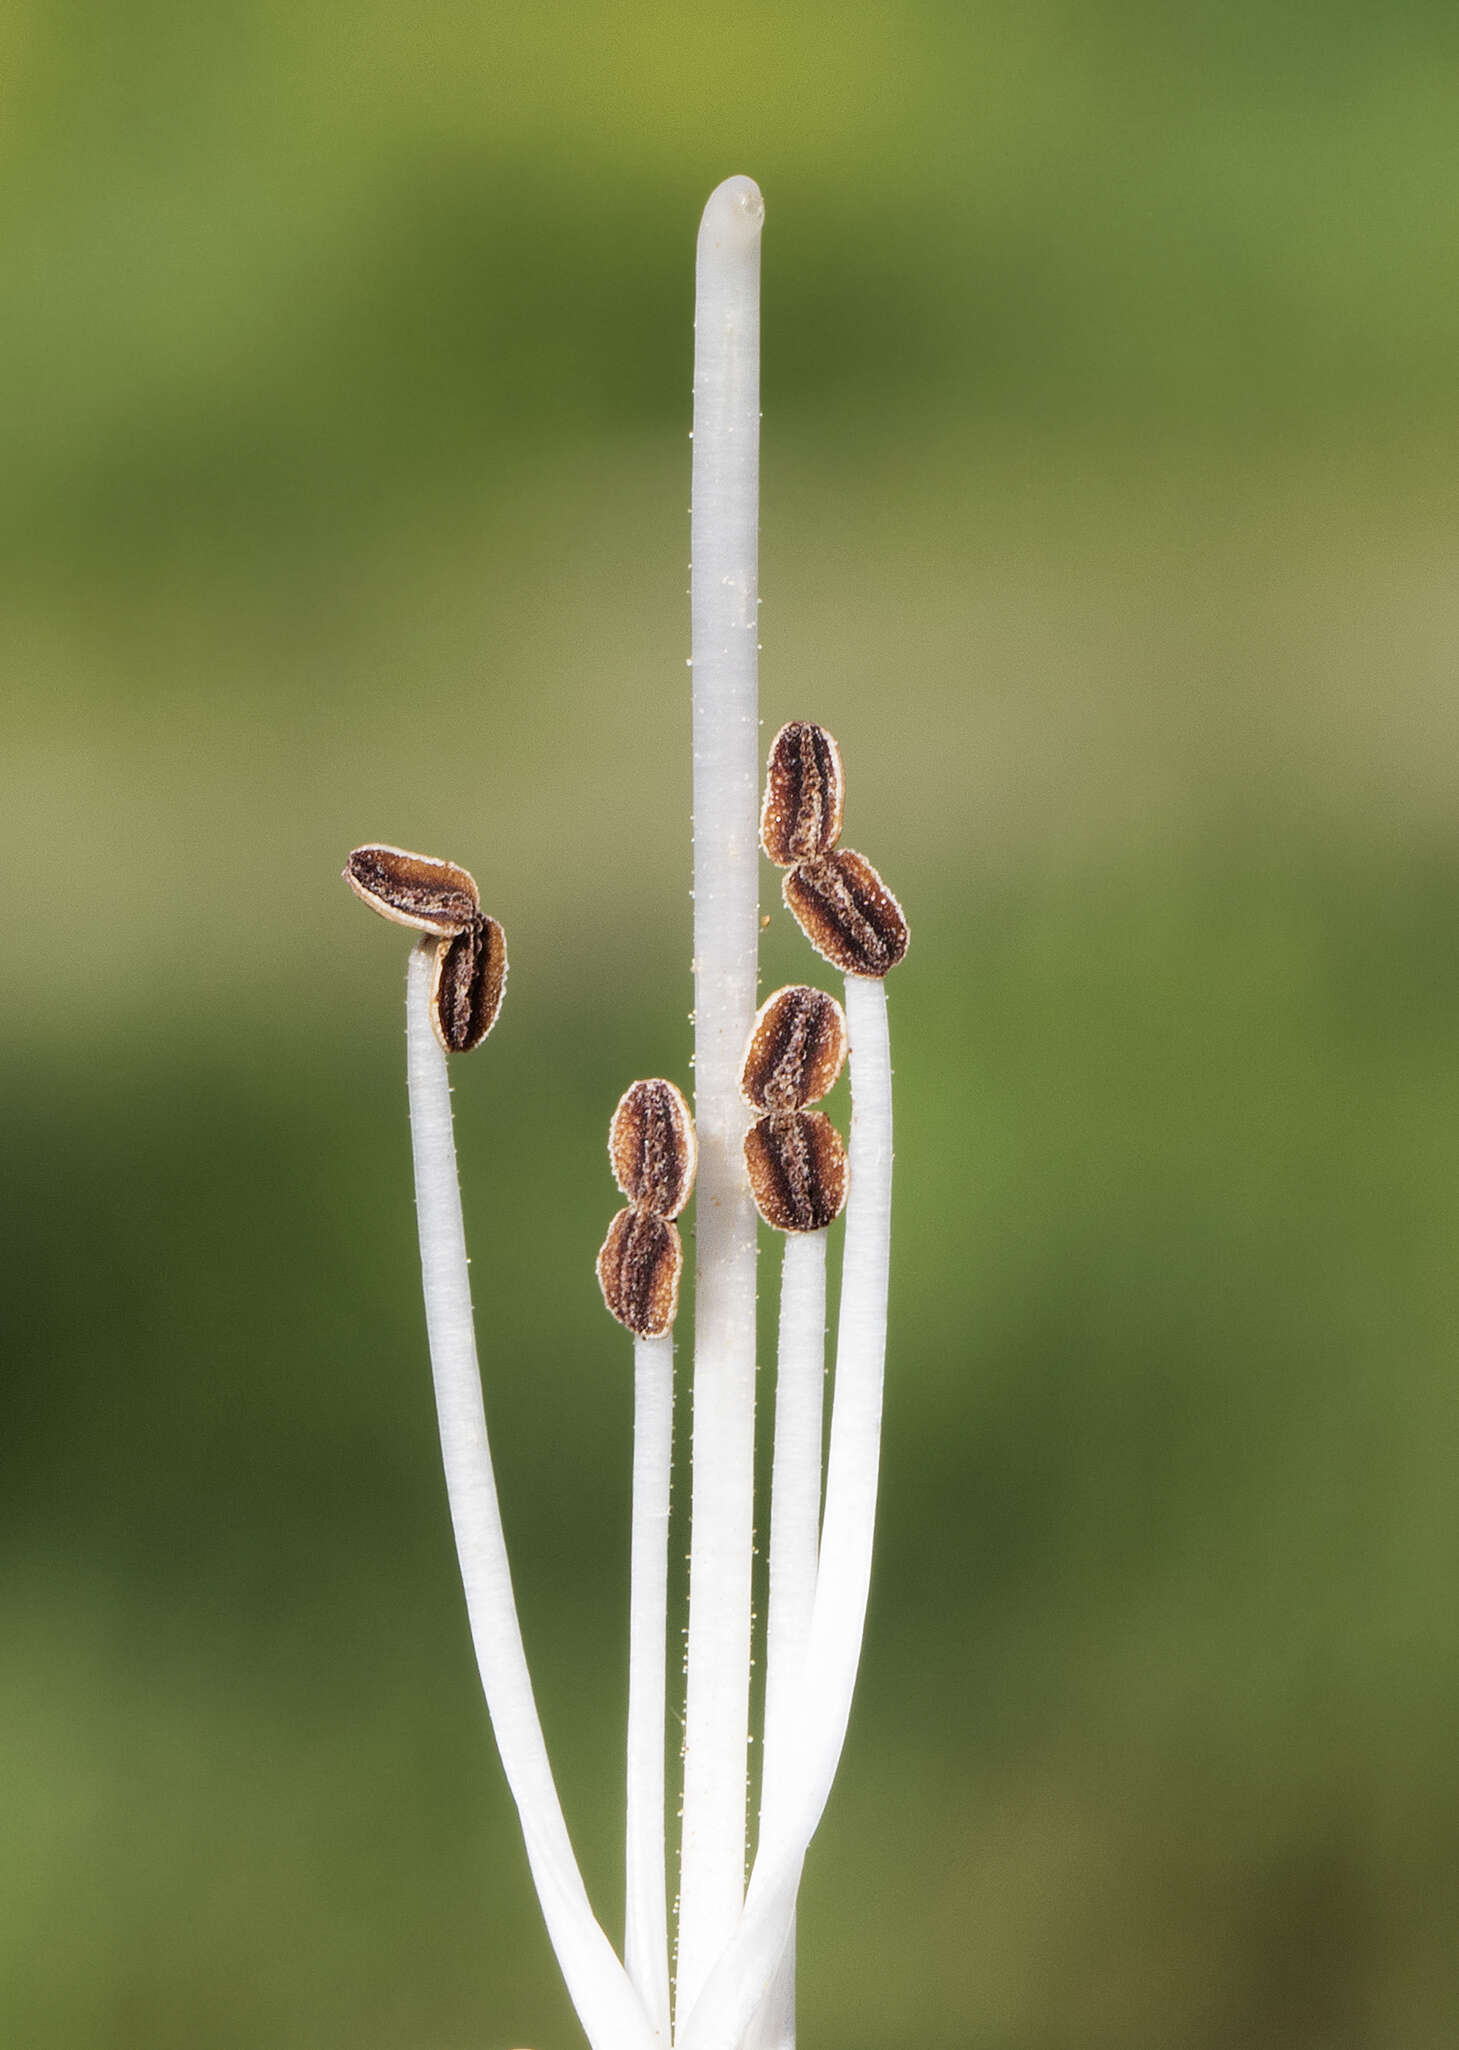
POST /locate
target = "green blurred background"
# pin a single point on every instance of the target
(1109, 520)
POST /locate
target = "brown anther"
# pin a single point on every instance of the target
(847, 913)
(467, 984)
(797, 1167)
(801, 816)
(638, 1271)
(652, 1147)
(796, 1049)
(413, 889)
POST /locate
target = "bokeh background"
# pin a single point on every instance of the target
(1109, 520)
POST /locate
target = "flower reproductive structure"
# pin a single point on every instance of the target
(761, 1146)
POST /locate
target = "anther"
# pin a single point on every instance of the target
(467, 985)
(469, 972)
(414, 889)
(654, 1153)
(797, 1166)
(796, 1049)
(847, 913)
(801, 816)
(638, 1271)
(652, 1147)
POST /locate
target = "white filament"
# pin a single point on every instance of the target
(646, 1941)
(795, 1523)
(738, 1983)
(611, 2013)
(724, 603)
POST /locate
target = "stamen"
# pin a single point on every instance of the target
(653, 1150)
(609, 2007)
(746, 1966)
(839, 901)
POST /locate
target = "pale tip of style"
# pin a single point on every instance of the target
(734, 213)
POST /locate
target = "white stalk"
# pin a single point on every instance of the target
(795, 1522)
(739, 1981)
(724, 599)
(646, 1938)
(611, 2013)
